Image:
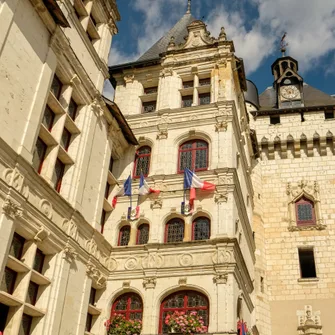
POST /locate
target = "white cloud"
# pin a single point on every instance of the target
(310, 25)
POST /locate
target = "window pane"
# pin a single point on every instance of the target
(187, 101)
(3, 316)
(26, 324)
(111, 163)
(188, 84)
(92, 296)
(142, 161)
(39, 261)
(150, 90)
(205, 82)
(305, 212)
(72, 110)
(204, 99)
(89, 320)
(56, 87)
(129, 305)
(58, 175)
(185, 160)
(48, 118)
(66, 139)
(201, 159)
(149, 107)
(175, 231)
(143, 234)
(39, 155)
(16, 247)
(32, 293)
(201, 229)
(121, 304)
(8, 281)
(124, 236)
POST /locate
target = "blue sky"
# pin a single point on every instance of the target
(255, 26)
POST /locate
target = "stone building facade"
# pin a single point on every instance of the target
(259, 248)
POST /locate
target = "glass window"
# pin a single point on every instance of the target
(3, 316)
(204, 99)
(201, 229)
(48, 118)
(129, 305)
(124, 236)
(188, 84)
(187, 101)
(205, 82)
(305, 212)
(111, 163)
(174, 231)
(150, 90)
(142, 162)
(39, 261)
(92, 296)
(193, 155)
(32, 293)
(8, 281)
(143, 234)
(149, 107)
(39, 155)
(16, 247)
(26, 324)
(65, 139)
(72, 110)
(56, 87)
(58, 175)
(89, 322)
(186, 302)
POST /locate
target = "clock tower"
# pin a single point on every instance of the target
(288, 83)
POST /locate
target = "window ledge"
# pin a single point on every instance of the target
(204, 89)
(16, 265)
(111, 179)
(64, 156)
(70, 125)
(39, 279)
(33, 311)
(308, 280)
(149, 97)
(9, 300)
(55, 105)
(93, 310)
(46, 136)
(307, 228)
(186, 91)
(107, 206)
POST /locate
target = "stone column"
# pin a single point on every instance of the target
(133, 234)
(195, 91)
(149, 311)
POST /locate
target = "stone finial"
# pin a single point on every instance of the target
(188, 7)
(223, 35)
(171, 44)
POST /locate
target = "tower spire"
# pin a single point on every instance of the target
(188, 7)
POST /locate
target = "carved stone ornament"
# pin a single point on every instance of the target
(126, 284)
(221, 63)
(69, 253)
(226, 180)
(221, 257)
(167, 72)
(149, 283)
(15, 179)
(156, 203)
(46, 208)
(91, 269)
(111, 263)
(198, 35)
(221, 197)
(97, 106)
(131, 263)
(112, 27)
(129, 78)
(162, 132)
(221, 126)
(223, 35)
(186, 260)
(309, 322)
(153, 260)
(41, 235)
(92, 248)
(182, 281)
(12, 209)
(220, 278)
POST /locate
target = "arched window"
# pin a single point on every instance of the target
(142, 162)
(201, 229)
(305, 213)
(193, 155)
(186, 301)
(142, 234)
(129, 305)
(124, 236)
(174, 231)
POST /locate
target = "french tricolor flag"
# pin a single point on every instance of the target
(192, 181)
(125, 190)
(144, 188)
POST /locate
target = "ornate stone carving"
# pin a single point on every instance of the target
(309, 322)
(153, 260)
(91, 269)
(129, 78)
(167, 72)
(111, 263)
(220, 278)
(223, 35)
(226, 180)
(131, 263)
(149, 283)
(221, 257)
(221, 126)
(156, 203)
(126, 283)
(112, 27)
(220, 197)
(198, 35)
(221, 63)
(12, 209)
(92, 248)
(186, 260)
(41, 235)
(46, 208)
(162, 132)
(182, 281)
(69, 253)
(15, 179)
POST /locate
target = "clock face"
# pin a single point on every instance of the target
(290, 92)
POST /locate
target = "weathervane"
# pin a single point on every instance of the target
(188, 7)
(283, 45)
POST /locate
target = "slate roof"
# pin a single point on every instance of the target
(179, 31)
(312, 97)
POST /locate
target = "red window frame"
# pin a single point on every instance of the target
(194, 224)
(143, 225)
(180, 221)
(305, 201)
(185, 308)
(138, 156)
(194, 150)
(120, 235)
(128, 311)
(58, 183)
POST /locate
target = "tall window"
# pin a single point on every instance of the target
(201, 229)
(39, 155)
(143, 234)
(129, 305)
(305, 213)
(186, 302)
(193, 155)
(124, 236)
(307, 263)
(56, 86)
(174, 231)
(142, 161)
(58, 174)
